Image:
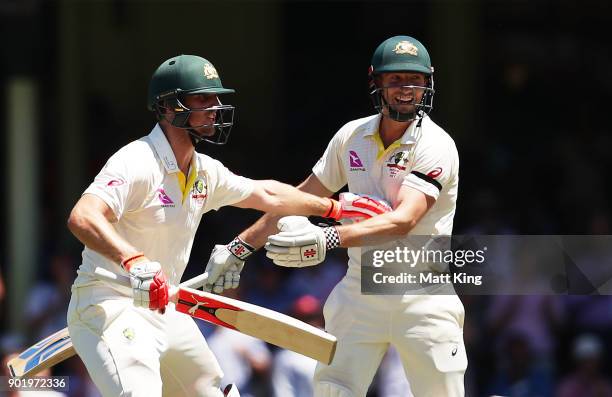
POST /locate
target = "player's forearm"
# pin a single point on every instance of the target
(257, 234)
(97, 233)
(282, 199)
(376, 230)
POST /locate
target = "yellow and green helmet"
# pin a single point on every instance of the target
(401, 54)
(184, 75)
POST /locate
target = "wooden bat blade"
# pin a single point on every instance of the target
(42, 355)
(265, 324)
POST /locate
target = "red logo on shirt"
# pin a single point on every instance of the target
(115, 182)
(435, 172)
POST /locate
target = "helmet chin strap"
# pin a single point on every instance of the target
(181, 122)
(193, 136)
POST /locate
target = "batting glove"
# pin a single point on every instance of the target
(356, 207)
(300, 243)
(225, 264)
(149, 284)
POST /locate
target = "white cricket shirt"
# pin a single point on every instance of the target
(424, 158)
(157, 208)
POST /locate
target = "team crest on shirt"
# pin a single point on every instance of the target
(129, 334)
(397, 162)
(199, 191)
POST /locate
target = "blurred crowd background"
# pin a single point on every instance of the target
(523, 87)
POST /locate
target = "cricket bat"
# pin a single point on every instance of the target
(50, 351)
(58, 347)
(270, 326)
(261, 323)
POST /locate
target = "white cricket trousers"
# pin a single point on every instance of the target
(137, 352)
(426, 330)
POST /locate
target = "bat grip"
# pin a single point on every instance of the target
(111, 277)
(120, 279)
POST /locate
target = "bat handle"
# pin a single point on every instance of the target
(111, 277)
(120, 279)
(196, 282)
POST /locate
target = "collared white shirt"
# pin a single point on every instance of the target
(157, 208)
(424, 158)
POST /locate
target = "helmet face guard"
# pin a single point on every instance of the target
(216, 133)
(423, 107)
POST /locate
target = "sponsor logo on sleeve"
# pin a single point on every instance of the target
(115, 182)
(435, 172)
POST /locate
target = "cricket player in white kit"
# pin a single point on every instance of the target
(403, 157)
(140, 216)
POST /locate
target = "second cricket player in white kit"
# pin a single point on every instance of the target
(403, 157)
(425, 329)
(140, 216)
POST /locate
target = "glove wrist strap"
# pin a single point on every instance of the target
(127, 263)
(335, 210)
(332, 238)
(240, 249)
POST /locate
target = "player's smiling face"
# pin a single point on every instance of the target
(199, 116)
(402, 90)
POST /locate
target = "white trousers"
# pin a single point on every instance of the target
(136, 352)
(426, 330)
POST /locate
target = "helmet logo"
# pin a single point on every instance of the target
(406, 47)
(210, 72)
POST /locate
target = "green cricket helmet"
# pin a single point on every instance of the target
(185, 75)
(401, 54)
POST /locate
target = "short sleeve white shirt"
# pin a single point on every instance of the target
(154, 214)
(424, 158)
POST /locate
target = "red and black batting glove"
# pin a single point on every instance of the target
(356, 207)
(149, 283)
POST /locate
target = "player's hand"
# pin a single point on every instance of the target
(149, 284)
(225, 264)
(356, 207)
(300, 243)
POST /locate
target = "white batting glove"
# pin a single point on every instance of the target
(149, 284)
(225, 264)
(300, 243)
(358, 207)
